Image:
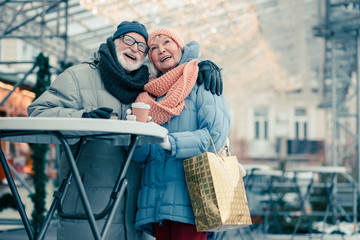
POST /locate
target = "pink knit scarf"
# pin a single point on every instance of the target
(176, 85)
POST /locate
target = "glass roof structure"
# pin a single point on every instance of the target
(241, 35)
(265, 44)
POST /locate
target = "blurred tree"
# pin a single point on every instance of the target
(39, 150)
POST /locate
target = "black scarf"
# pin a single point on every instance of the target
(123, 85)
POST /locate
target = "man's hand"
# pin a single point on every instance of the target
(102, 112)
(210, 75)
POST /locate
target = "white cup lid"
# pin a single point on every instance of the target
(140, 105)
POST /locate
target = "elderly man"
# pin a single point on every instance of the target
(108, 83)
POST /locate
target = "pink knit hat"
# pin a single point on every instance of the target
(171, 33)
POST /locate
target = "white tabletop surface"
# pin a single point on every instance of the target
(319, 169)
(273, 173)
(116, 131)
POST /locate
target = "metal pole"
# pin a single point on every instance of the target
(323, 6)
(18, 84)
(30, 19)
(333, 103)
(66, 30)
(17, 175)
(358, 107)
(16, 196)
(42, 34)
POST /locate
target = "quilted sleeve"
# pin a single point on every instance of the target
(214, 120)
(62, 99)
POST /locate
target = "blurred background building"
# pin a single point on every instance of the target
(290, 67)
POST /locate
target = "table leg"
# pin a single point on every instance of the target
(16, 196)
(333, 206)
(303, 200)
(272, 203)
(268, 207)
(79, 185)
(355, 197)
(59, 194)
(121, 186)
(17, 175)
(248, 182)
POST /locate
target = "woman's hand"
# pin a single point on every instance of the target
(166, 144)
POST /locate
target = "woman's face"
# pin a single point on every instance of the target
(165, 53)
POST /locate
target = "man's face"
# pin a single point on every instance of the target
(129, 57)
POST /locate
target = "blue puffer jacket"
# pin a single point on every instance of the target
(164, 193)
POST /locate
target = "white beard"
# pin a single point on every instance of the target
(127, 65)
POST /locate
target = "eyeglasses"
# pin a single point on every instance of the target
(129, 40)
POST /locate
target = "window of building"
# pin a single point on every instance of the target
(261, 123)
(300, 124)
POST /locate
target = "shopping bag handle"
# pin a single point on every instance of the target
(216, 153)
(242, 169)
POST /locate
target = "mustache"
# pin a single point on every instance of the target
(128, 51)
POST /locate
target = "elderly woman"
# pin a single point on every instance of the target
(192, 115)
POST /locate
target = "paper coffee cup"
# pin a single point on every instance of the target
(141, 111)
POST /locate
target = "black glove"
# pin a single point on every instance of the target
(102, 112)
(210, 75)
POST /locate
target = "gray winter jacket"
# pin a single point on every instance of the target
(77, 90)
